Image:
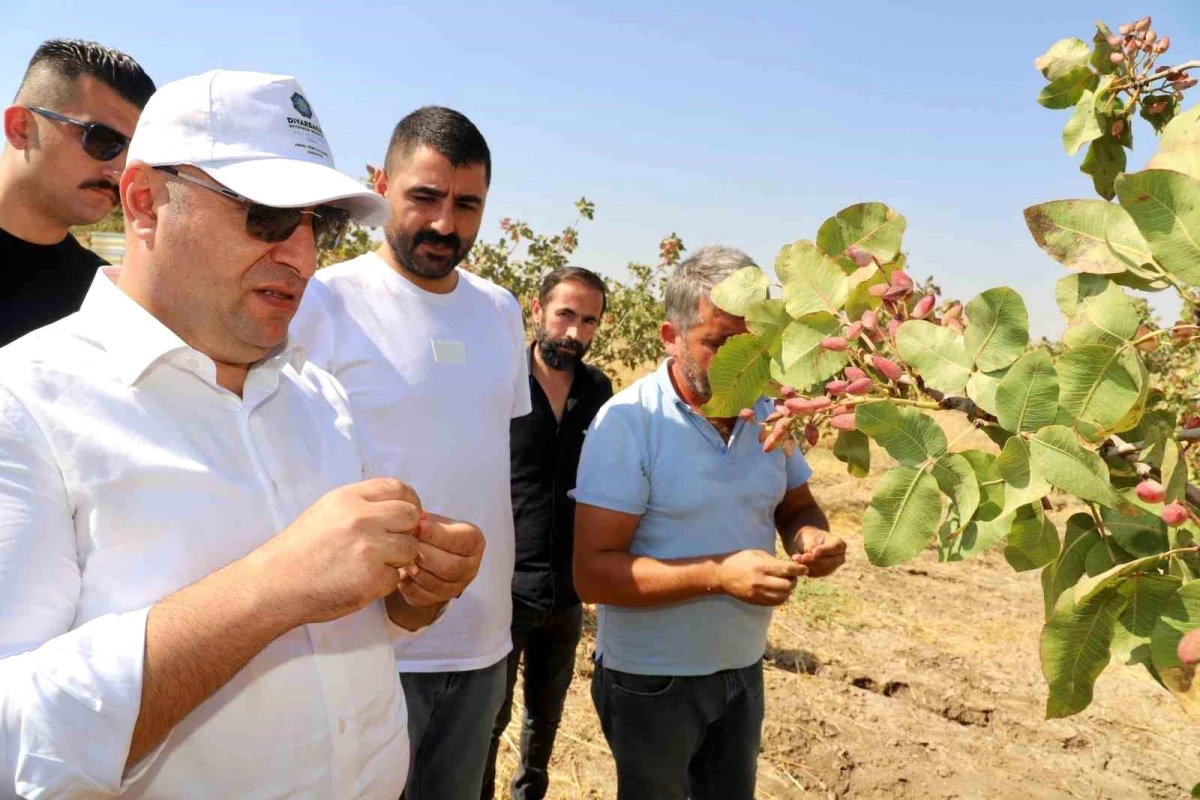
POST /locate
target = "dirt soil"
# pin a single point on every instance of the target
(915, 681)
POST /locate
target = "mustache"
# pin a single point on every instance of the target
(427, 236)
(101, 183)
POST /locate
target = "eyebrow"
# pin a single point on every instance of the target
(433, 191)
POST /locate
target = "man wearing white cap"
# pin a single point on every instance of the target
(200, 584)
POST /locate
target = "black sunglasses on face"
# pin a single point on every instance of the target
(272, 224)
(99, 141)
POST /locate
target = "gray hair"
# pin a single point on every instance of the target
(695, 278)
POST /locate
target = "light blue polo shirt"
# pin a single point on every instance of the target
(648, 453)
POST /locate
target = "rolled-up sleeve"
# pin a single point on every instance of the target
(69, 699)
(612, 467)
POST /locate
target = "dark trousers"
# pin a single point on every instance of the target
(449, 716)
(680, 737)
(548, 640)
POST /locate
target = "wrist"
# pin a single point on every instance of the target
(410, 617)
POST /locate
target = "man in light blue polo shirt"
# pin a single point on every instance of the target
(675, 528)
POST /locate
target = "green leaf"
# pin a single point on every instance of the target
(1135, 530)
(738, 292)
(767, 319)
(737, 374)
(873, 227)
(1081, 536)
(1057, 456)
(1088, 235)
(1027, 397)
(802, 361)
(1099, 384)
(1032, 540)
(1083, 126)
(982, 386)
(1066, 55)
(1097, 311)
(814, 283)
(1101, 50)
(956, 478)
(1075, 650)
(853, 448)
(903, 516)
(1174, 472)
(999, 329)
(784, 266)
(990, 482)
(1104, 161)
(1179, 147)
(1066, 90)
(1145, 598)
(1165, 205)
(977, 537)
(1022, 483)
(1099, 560)
(1180, 615)
(938, 354)
(905, 433)
(1089, 587)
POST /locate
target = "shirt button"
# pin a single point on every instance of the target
(341, 726)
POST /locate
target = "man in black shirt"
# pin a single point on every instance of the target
(545, 445)
(67, 132)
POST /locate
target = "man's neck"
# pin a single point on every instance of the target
(443, 285)
(20, 217)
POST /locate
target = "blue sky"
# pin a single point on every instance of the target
(743, 124)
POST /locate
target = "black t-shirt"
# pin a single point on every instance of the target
(41, 282)
(545, 456)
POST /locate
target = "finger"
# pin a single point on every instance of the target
(783, 568)
(775, 585)
(398, 549)
(446, 566)
(377, 489)
(830, 545)
(417, 595)
(394, 516)
(433, 584)
(824, 566)
(459, 538)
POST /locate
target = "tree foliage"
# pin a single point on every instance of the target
(848, 341)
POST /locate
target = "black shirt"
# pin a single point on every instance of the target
(42, 282)
(545, 456)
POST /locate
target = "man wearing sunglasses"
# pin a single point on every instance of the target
(67, 132)
(200, 584)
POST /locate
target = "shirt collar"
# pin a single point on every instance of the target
(136, 340)
(663, 376)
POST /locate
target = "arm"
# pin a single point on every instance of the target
(605, 572)
(804, 531)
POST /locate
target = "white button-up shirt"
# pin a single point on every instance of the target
(127, 473)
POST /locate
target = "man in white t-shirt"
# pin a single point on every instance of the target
(433, 360)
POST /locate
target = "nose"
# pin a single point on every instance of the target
(573, 331)
(299, 251)
(443, 221)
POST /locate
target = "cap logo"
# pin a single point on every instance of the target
(301, 105)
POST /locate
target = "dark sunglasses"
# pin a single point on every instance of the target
(272, 224)
(99, 141)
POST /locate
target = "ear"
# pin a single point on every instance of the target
(381, 182)
(18, 127)
(535, 309)
(141, 192)
(670, 336)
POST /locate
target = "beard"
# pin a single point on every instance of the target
(696, 378)
(558, 354)
(405, 247)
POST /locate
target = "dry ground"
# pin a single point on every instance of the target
(916, 681)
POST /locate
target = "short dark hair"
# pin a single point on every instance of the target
(58, 62)
(577, 274)
(446, 131)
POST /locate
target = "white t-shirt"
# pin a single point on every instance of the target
(433, 380)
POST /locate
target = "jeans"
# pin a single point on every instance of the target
(548, 640)
(449, 719)
(680, 737)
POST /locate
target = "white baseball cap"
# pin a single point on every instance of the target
(255, 133)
